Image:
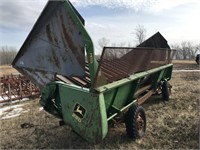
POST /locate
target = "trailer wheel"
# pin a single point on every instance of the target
(135, 121)
(166, 90)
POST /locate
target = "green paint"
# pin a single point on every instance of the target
(88, 111)
(115, 84)
(92, 125)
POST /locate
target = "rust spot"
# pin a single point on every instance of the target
(67, 37)
(69, 41)
(55, 39)
(55, 59)
(48, 31)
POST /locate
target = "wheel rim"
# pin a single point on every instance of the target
(140, 123)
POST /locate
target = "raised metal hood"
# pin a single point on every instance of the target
(55, 45)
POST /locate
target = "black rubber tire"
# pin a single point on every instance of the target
(198, 59)
(166, 91)
(135, 121)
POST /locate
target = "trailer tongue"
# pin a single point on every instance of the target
(83, 93)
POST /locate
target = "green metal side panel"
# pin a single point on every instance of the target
(119, 97)
(136, 76)
(168, 73)
(119, 94)
(109, 97)
(163, 75)
(122, 95)
(84, 111)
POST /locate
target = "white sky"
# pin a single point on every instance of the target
(115, 20)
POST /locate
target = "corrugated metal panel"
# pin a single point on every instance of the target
(120, 62)
(80, 81)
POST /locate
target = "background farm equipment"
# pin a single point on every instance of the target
(88, 94)
(16, 87)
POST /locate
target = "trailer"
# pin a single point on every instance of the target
(88, 94)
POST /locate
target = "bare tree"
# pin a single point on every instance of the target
(122, 44)
(186, 50)
(178, 53)
(197, 49)
(103, 42)
(140, 34)
(7, 54)
(114, 45)
(129, 44)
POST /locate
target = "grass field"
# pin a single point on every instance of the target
(170, 125)
(7, 69)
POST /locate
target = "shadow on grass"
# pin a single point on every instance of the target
(153, 100)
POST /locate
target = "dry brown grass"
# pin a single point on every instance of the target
(183, 62)
(186, 64)
(6, 70)
(170, 125)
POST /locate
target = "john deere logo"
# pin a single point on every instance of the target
(78, 113)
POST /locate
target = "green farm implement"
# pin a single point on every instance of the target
(88, 94)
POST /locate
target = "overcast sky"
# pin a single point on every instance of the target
(176, 20)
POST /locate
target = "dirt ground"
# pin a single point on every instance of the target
(170, 125)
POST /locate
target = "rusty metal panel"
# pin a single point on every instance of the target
(119, 62)
(80, 81)
(54, 46)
